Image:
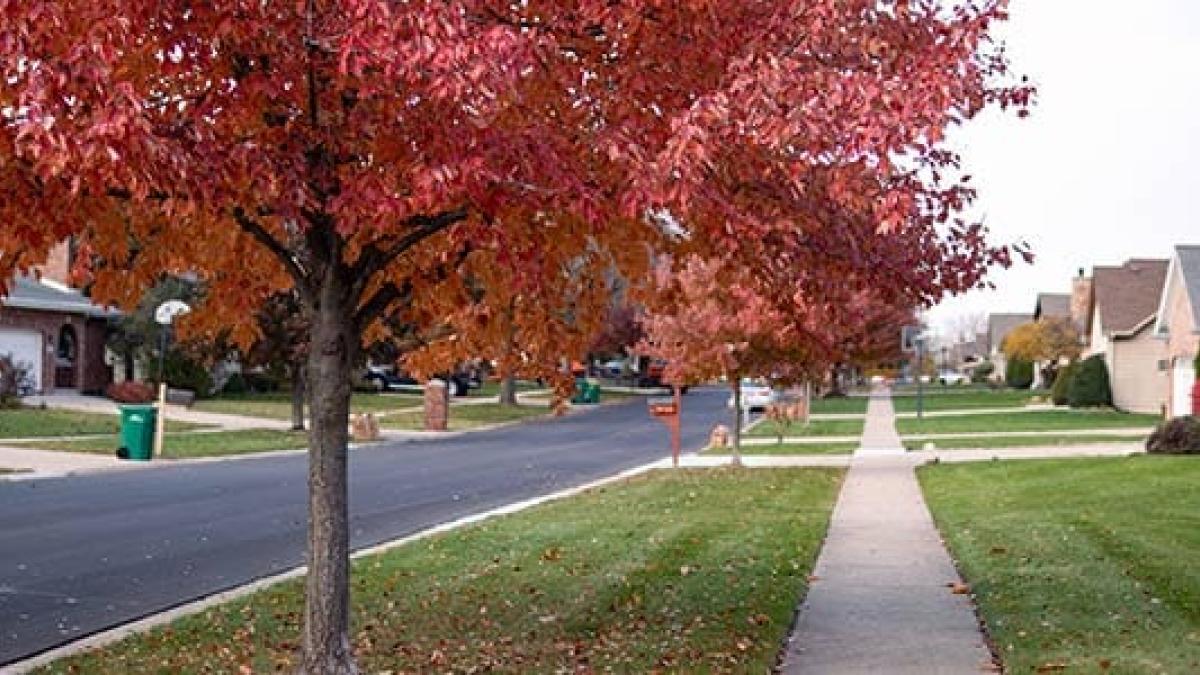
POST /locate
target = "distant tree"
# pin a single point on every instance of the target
(1018, 373)
(282, 347)
(1046, 341)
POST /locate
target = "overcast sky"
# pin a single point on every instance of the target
(1108, 165)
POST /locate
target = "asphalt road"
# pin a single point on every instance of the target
(82, 554)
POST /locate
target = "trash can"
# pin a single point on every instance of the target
(137, 431)
(591, 392)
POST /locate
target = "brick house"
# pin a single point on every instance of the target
(1123, 307)
(1178, 326)
(55, 331)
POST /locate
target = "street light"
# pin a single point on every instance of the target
(164, 316)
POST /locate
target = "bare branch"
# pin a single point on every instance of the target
(253, 228)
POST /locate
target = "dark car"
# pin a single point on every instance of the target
(386, 379)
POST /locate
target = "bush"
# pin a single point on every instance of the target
(261, 383)
(1018, 374)
(130, 392)
(1180, 436)
(235, 384)
(183, 372)
(1062, 384)
(1089, 386)
(982, 372)
(14, 381)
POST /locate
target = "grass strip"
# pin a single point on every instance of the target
(1045, 420)
(182, 446)
(278, 405)
(467, 416)
(44, 422)
(844, 427)
(679, 571)
(952, 399)
(1001, 441)
(1082, 565)
(841, 405)
(828, 448)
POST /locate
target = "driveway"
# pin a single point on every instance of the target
(85, 553)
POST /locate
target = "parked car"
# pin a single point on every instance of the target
(951, 377)
(385, 378)
(756, 395)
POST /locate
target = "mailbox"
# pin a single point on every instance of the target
(663, 407)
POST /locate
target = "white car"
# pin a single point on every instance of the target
(756, 395)
(951, 377)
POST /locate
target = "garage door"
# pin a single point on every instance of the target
(25, 346)
(1181, 395)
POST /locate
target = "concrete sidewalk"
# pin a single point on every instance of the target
(882, 597)
(104, 406)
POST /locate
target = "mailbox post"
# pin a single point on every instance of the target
(666, 410)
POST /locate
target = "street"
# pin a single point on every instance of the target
(85, 553)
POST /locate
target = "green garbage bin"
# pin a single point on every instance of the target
(137, 430)
(591, 393)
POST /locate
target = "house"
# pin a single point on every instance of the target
(999, 326)
(55, 331)
(1052, 306)
(1178, 325)
(1124, 304)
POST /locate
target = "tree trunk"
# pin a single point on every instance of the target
(508, 390)
(298, 395)
(737, 422)
(326, 639)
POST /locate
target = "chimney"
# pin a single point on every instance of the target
(1081, 303)
(58, 264)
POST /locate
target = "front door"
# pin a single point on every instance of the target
(1181, 387)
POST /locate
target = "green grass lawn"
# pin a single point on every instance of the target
(1042, 420)
(492, 388)
(854, 405)
(827, 448)
(1080, 566)
(467, 416)
(38, 422)
(677, 571)
(846, 427)
(278, 405)
(1022, 441)
(180, 446)
(953, 398)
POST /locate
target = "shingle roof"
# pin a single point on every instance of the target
(1051, 305)
(1189, 267)
(999, 325)
(29, 293)
(1128, 295)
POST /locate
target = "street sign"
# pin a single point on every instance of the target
(663, 407)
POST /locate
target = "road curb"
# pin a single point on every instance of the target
(112, 635)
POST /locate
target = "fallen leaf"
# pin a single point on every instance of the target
(1052, 667)
(959, 588)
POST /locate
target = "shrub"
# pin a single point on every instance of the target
(183, 372)
(130, 392)
(261, 383)
(1089, 385)
(982, 372)
(1018, 374)
(235, 384)
(1062, 384)
(1180, 436)
(14, 381)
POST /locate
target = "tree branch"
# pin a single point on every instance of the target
(285, 256)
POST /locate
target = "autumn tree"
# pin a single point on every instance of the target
(1047, 341)
(360, 153)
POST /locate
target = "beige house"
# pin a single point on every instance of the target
(1124, 305)
(1178, 326)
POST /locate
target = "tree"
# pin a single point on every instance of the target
(1018, 373)
(1048, 341)
(1089, 386)
(361, 153)
(282, 347)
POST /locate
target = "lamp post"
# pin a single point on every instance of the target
(164, 316)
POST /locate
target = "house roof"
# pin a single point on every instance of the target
(1051, 305)
(42, 295)
(1185, 264)
(1000, 325)
(1127, 296)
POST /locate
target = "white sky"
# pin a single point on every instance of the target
(1107, 167)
